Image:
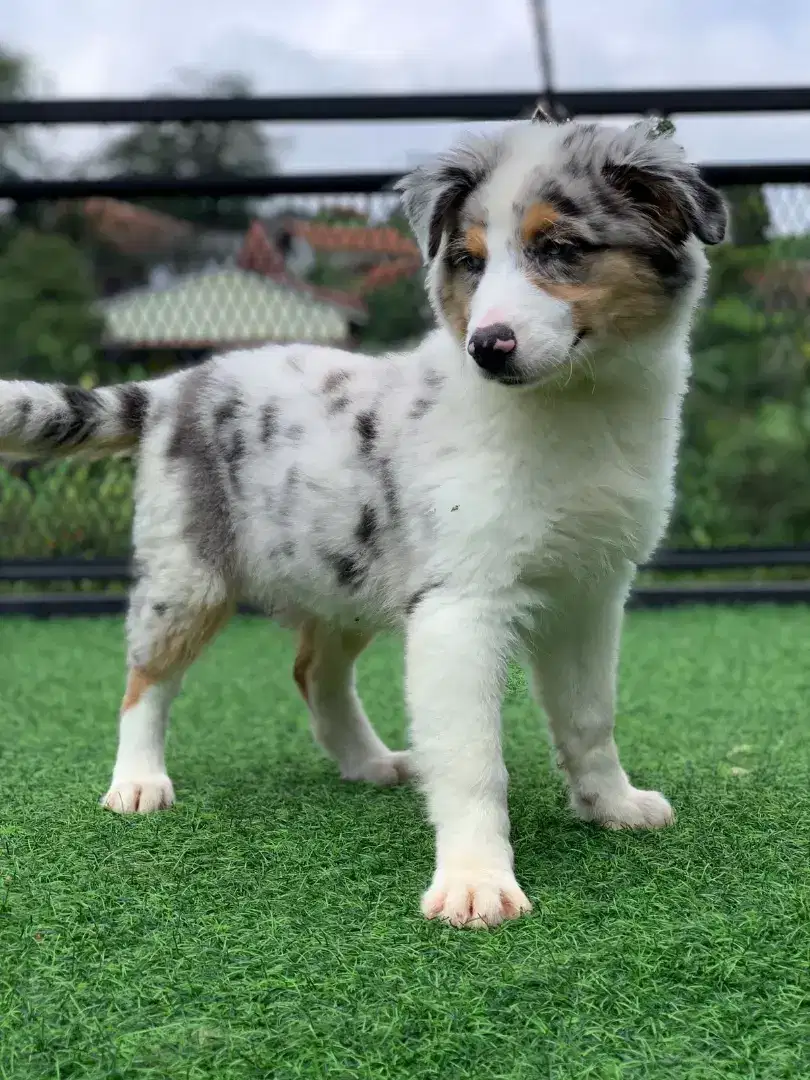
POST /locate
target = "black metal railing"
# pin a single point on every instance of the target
(351, 108)
(117, 572)
(64, 530)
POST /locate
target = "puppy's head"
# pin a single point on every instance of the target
(553, 241)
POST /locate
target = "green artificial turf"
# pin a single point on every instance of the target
(268, 926)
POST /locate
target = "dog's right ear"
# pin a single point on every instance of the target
(541, 115)
(433, 192)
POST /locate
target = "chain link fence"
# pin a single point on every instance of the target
(100, 290)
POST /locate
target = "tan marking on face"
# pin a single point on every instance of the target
(475, 241)
(621, 297)
(538, 219)
(455, 297)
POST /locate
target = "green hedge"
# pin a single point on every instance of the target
(67, 509)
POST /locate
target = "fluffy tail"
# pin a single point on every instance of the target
(46, 420)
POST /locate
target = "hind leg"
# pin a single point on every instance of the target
(324, 672)
(166, 634)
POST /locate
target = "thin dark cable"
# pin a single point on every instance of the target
(542, 32)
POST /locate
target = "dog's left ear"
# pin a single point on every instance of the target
(674, 197)
(433, 192)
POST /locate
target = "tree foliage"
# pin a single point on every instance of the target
(197, 149)
(746, 444)
(750, 217)
(48, 328)
(19, 154)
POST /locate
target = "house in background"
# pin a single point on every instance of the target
(364, 256)
(179, 292)
(218, 309)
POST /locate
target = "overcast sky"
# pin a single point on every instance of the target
(130, 47)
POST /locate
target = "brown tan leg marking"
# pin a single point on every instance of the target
(304, 659)
(176, 652)
(138, 682)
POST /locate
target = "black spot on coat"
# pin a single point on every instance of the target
(230, 437)
(334, 380)
(349, 571)
(420, 408)
(367, 426)
(268, 423)
(416, 598)
(226, 411)
(75, 427)
(209, 524)
(133, 402)
(368, 526)
(390, 490)
(291, 482)
(24, 408)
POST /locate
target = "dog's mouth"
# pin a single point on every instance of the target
(512, 376)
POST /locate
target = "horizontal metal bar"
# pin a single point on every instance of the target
(734, 558)
(63, 605)
(747, 592)
(217, 187)
(361, 107)
(65, 570)
(692, 559)
(72, 604)
(760, 172)
(135, 187)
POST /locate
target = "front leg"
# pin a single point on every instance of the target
(456, 661)
(574, 665)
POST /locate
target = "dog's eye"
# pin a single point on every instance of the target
(473, 264)
(556, 249)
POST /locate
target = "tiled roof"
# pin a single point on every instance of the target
(222, 309)
(134, 229)
(385, 273)
(381, 240)
(260, 255)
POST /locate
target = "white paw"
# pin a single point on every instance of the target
(139, 796)
(629, 809)
(474, 898)
(385, 770)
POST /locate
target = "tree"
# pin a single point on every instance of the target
(18, 153)
(398, 314)
(746, 435)
(48, 329)
(197, 149)
(750, 217)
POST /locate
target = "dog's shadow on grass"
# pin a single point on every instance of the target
(307, 798)
(297, 806)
